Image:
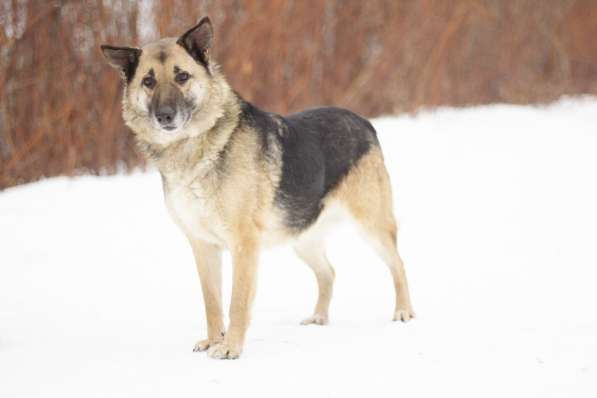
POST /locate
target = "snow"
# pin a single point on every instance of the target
(99, 295)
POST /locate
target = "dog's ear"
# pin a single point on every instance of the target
(125, 59)
(198, 40)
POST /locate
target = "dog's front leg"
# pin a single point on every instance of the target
(209, 266)
(245, 258)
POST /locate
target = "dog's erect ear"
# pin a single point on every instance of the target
(197, 41)
(124, 59)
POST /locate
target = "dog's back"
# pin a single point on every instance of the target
(319, 148)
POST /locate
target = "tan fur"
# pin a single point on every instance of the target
(374, 216)
(209, 268)
(233, 208)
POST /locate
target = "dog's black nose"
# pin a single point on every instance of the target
(165, 114)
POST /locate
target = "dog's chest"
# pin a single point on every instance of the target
(194, 210)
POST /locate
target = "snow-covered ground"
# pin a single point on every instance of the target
(498, 205)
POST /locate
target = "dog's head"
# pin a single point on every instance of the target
(170, 86)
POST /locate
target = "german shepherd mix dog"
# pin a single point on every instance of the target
(238, 178)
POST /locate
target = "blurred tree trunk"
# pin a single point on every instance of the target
(60, 103)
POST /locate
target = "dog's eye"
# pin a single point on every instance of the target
(182, 77)
(148, 82)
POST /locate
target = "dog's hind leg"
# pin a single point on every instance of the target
(367, 195)
(383, 240)
(310, 248)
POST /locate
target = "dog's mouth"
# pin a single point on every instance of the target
(176, 123)
(169, 128)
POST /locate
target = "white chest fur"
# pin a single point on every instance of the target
(193, 210)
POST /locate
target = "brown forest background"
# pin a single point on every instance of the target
(60, 102)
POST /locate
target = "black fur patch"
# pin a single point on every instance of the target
(319, 147)
(132, 68)
(264, 123)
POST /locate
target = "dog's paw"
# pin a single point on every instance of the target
(404, 315)
(223, 350)
(316, 319)
(203, 345)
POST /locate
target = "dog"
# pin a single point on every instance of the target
(241, 179)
